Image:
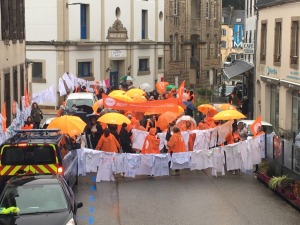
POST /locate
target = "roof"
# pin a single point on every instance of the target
(231, 15)
(80, 95)
(270, 3)
(238, 68)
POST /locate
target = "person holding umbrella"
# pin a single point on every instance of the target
(94, 131)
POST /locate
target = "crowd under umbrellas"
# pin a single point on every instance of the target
(105, 125)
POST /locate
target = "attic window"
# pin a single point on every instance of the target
(238, 20)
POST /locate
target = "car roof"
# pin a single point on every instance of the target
(80, 95)
(249, 122)
(36, 179)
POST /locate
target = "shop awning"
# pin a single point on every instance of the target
(238, 68)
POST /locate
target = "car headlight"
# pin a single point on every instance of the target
(71, 222)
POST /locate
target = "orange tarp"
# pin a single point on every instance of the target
(158, 106)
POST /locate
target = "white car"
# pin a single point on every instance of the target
(81, 98)
(268, 128)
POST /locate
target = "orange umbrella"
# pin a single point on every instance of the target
(226, 106)
(135, 92)
(139, 99)
(98, 104)
(71, 125)
(229, 115)
(123, 98)
(207, 108)
(161, 87)
(165, 118)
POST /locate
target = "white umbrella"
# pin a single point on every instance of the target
(186, 118)
(146, 87)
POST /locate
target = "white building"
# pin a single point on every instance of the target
(250, 29)
(95, 40)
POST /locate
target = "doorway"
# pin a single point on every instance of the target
(117, 71)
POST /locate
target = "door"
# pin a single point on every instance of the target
(113, 79)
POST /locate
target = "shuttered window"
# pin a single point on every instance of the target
(263, 42)
(277, 43)
(294, 55)
(4, 20)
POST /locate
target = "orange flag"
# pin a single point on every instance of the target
(180, 92)
(26, 98)
(161, 87)
(255, 125)
(4, 117)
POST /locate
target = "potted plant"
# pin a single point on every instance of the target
(288, 185)
(266, 170)
(275, 184)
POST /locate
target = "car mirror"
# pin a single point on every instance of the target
(78, 205)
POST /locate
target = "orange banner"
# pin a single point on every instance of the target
(158, 106)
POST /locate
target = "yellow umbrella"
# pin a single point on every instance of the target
(225, 106)
(229, 115)
(71, 125)
(123, 98)
(139, 99)
(135, 92)
(180, 110)
(114, 118)
(207, 108)
(116, 92)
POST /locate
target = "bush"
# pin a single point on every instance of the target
(204, 92)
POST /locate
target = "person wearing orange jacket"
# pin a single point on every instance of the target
(151, 143)
(108, 142)
(176, 143)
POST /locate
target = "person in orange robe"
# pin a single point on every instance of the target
(108, 142)
(176, 143)
(151, 143)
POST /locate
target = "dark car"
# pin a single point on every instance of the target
(38, 199)
(38, 152)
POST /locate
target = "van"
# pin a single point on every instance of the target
(267, 127)
(38, 151)
(81, 98)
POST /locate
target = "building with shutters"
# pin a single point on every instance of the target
(13, 68)
(95, 40)
(192, 36)
(277, 63)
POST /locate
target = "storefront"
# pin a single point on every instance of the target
(296, 111)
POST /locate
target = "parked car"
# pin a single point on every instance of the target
(38, 199)
(38, 151)
(267, 127)
(228, 90)
(80, 99)
(47, 122)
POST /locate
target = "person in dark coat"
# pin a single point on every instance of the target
(94, 132)
(245, 106)
(125, 139)
(36, 115)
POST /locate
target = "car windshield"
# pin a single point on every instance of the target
(78, 102)
(267, 130)
(30, 199)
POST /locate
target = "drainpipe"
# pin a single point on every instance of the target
(254, 106)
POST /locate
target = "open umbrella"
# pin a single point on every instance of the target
(139, 99)
(181, 122)
(171, 86)
(126, 78)
(114, 118)
(225, 106)
(135, 92)
(116, 92)
(207, 108)
(98, 104)
(190, 105)
(146, 87)
(123, 98)
(71, 125)
(180, 110)
(165, 118)
(229, 115)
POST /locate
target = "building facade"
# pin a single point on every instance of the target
(250, 30)
(232, 39)
(13, 68)
(277, 63)
(192, 36)
(95, 40)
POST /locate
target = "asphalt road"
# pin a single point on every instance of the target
(193, 198)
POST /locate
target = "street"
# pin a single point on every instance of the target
(194, 197)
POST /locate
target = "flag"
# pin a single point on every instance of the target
(4, 117)
(180, 92)
(255, 125)
(26, 98)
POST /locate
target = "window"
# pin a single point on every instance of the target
(251, 6)
(84, 21)
(4, 20)
(223, 44)
(15, 84)
(277, 42)
(274, 105)
(144, 24)
(215, 9)
(207, 9)
(160, 63)
(296, 111)
(263, 42)
(143, 65)
(37, 70)
(176, 48)
(182, 48)
(216, 47)
(175, 7)
(84, 69)
(171, 48)
(250, 36)
(223, 32)
(294, 55)
(208, 48)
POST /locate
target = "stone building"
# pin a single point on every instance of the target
(192, 48)
(13, 68)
